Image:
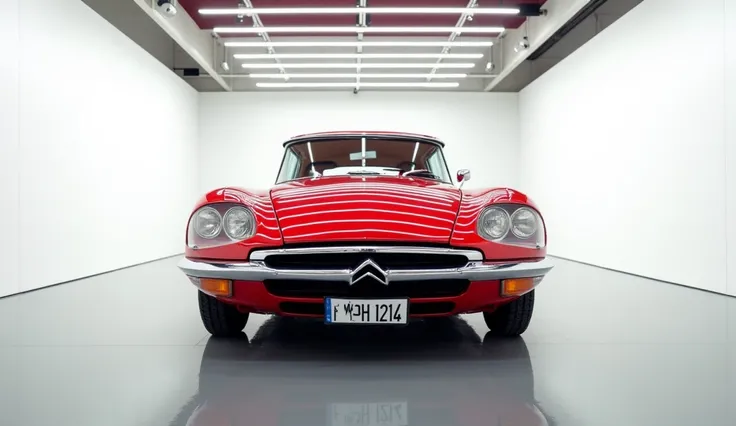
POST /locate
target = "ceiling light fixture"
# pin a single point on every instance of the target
(348, 75)
(522, 45)
(368, 10)
(326, 43)
(357, 55)
(363, 65)
(166, 8)
(352, 84)
(356, 29)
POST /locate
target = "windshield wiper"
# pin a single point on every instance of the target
(421, 173)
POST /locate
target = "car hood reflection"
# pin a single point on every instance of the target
(302, 372)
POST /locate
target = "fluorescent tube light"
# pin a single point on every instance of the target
(327, 43)
(355, 10)
(356, 29)
(361, 84)
(355, 75)
(358, 55)
(355, 66)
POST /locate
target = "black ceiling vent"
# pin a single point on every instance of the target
(530, 9)
(189, 72)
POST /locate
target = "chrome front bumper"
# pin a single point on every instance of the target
(256, 269)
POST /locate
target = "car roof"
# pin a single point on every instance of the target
(358, 133)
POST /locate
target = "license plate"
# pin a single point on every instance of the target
(366, 311)
(369, 414)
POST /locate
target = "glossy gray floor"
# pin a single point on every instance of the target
(127, 348)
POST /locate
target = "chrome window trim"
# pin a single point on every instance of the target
(344, 135)
(471, 255)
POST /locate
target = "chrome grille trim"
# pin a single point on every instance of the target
(471, 255)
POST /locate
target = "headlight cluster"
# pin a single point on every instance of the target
(511, 224)
(219, 224)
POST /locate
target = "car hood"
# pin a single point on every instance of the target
(358, 208)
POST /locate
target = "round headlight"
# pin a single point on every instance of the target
(239, 223)
(524, 223)
(494, 223)
(208, 223)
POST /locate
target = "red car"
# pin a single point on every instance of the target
(365, 228)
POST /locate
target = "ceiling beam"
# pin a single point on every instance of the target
(460, 22)
(361, 22)
(538, 29)
(257, 23)
(184, 31)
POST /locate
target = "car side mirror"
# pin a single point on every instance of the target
(463, 175)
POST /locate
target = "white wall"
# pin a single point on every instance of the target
(730, 157)
(623, 146)
(9, 37)
(241, 134)
(102, 183)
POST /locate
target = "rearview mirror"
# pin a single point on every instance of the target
(463, 175)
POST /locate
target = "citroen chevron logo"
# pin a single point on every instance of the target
(369, 269)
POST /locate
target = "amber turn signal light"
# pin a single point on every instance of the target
(215, 287)
(518, 286)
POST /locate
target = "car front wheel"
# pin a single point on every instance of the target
(513, 318)
(219, 318)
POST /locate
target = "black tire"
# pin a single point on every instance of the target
(219, 318)
(513, 318)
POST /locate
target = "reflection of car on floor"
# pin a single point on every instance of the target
(366, 228)
(307, 373)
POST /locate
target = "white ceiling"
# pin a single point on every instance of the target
(127, 16)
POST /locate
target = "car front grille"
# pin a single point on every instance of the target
(367, 288)
(368, 268)
(396, 261)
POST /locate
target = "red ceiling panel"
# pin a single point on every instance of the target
(208, 22)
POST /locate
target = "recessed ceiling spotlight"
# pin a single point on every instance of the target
(166, 8)
(523, 44)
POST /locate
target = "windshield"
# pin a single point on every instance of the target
(364, 156)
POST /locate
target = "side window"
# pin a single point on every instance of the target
(290, 167)
(434, 163)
